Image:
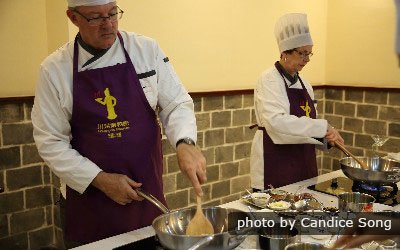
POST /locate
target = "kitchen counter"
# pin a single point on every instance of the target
(251, 241)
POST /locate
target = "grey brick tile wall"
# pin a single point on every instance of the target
(394, 99)
(15, 242)
(3, 226)
(10, 157)
(334, 94)
(11, 112)
(41, 237)
(29, 218)
(354, 95)
(377, 97)
(17, 133)
(394, 129)
(367, 111)
(377, 112)
(389, 113)
(233, 102)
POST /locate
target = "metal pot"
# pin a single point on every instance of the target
(277, 238)
(171, 227)
(380, 171)
(355, 202)
(305, 246)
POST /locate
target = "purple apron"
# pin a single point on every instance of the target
(114, 126)
(288, 163)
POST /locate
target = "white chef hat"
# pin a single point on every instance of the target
(291, 31)
(75, 3)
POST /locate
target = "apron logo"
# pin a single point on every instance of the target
(306, 109)
(109, 101)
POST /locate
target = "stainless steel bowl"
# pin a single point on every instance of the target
(171, 229)
(355, 202)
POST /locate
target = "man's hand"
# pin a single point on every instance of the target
(192, 163)
(118, 187)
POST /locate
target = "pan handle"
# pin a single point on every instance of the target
(153, 200)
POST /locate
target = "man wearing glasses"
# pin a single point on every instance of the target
(95, 123)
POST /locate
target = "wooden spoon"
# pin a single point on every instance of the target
(348, 153)
(199, 225)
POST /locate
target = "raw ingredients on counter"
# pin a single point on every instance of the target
(331, 210)
(379, 245)
(259, 200)
(371, 246)
(279, 205)
(300, 205)
(278, 194)
(388, 244)
(304, 196)
(300, 202)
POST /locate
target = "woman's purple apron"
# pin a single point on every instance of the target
(114, 126)
(288, 163)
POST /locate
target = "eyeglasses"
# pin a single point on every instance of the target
(304, 55)
(96, 21)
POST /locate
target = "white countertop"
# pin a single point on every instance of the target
(251, 241)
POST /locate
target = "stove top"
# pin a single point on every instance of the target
(387, 194)
(150, 243)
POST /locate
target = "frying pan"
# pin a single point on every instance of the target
(170, 227)
(379, 172)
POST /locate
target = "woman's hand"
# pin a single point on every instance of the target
(356, 235)
(332, 135)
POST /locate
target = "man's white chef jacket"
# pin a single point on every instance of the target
(52, 108)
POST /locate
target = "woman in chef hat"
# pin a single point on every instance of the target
(283, 148)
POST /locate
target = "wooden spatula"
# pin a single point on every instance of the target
(348, 153)
(199, 225)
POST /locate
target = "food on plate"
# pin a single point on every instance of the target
(303, 196)
(279, 205)
(260, 201)
(256, 199)
(278, 194)
(313, 204)
(388, 244)
(331, 209)
(300, 205)
(371, 246)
